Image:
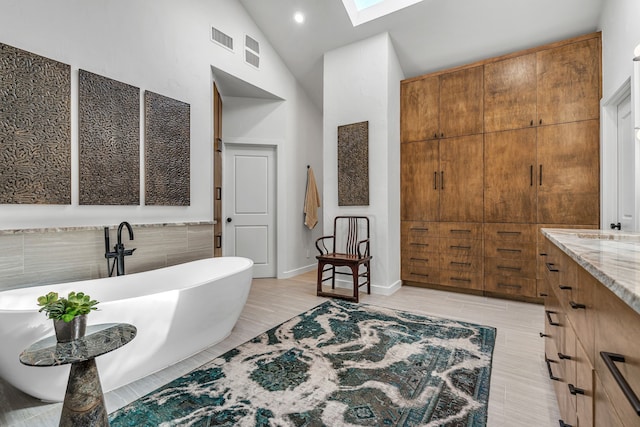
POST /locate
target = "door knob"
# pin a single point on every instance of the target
(614, 226)
(229, 220)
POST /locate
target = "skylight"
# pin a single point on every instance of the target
(361, 11)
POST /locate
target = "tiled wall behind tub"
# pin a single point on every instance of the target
(56, 255)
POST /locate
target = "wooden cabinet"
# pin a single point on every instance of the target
(460, 180)
(569, 82)
(592, 347)
(442, 106)
(510, 94)
(419, 107)
(442, 253)
(419, 196)
(508, 140)
(617, 352)
(509, 180)
(442, 180)
(461, 102)
(569, 173)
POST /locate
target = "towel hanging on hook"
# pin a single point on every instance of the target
(311, 200)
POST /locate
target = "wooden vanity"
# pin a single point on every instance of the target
(592, 325)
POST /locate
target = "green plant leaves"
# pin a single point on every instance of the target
(76, 304)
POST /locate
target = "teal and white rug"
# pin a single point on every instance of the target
(338, 364)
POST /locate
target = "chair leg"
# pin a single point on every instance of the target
(355, 269)
(319, 284)
(368, 265)
(333, 276)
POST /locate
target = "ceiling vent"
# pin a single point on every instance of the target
(221, 38)
(251, 51)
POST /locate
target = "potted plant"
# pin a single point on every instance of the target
(69, 314)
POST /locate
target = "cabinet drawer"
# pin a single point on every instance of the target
(422, 260)
(419, 228)
(417, 273)
(510, 232)
(461, 279)
(460, 263)
(471, 248)
(421, 244)
(510, 285)
(584, 384)
(617, 331)
(509, 249)
(461, 230)
(510, 267)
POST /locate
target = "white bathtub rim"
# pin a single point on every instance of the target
(128, 277)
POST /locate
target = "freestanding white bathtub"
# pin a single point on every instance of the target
(178, 311)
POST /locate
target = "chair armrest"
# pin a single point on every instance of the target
(320, 240)
(366, 250)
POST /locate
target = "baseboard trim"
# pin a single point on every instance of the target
(296, 272)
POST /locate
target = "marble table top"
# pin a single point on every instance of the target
(99, 339)
(612, 257)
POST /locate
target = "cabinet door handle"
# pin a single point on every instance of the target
(459, 279)
(544, 335)
(419, 274)
(419, 259)
(462, 248)
(551, 376)
(460, 264)
(442, 180)
(609, 359)
(531, 124)
(455, 230)
(575, 390)
(550, 267)
(541, 175)
(418, 229)
(565, 288)
(577, 306)
(551, 322)
(509, 233)
(435, 180)
(531, 173)
(564, 356)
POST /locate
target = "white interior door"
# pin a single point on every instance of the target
(626, 166)
(250, 206)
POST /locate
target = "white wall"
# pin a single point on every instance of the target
(164, 46)
(362, 83)
(620, 26)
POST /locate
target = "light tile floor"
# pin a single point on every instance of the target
(521, 393)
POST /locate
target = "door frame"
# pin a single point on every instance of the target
(276, 144)
(609, 158)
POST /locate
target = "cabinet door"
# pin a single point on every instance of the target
(418, 181)
(510, 94)
(461, 179)
(461, 102)
(569, 82)
(419, 106)
(569, 173)
(509, 177)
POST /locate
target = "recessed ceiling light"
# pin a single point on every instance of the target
(298, 17)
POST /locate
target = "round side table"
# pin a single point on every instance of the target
(83, 401)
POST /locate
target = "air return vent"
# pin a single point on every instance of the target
(221, 38)
(251, 51)
(252, 59)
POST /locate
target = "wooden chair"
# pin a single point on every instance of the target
(349, 248)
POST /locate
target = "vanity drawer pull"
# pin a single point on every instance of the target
(575, 390)
(508, 285)
(551, 376)
(509, 250)
(418, 229)
(609, 359)
(551, 322)
(515, 233)
(465, 248)
(508, 268)
(564, 356)
(565, 287)
(459, 231)
(460, 264)
(550, 267)
(459, 279)
(419, 259)
(577, 306)
(544, 335)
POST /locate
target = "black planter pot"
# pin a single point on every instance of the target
(69, 331)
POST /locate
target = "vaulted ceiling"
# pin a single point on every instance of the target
(428, 36)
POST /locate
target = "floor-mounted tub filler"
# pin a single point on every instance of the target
(178, 311)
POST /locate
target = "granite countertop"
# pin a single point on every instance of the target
(612, 257)
(100, 227)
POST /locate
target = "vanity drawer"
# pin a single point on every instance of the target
(417, 228)
(418, 273)
(461, 279)
(460, 262)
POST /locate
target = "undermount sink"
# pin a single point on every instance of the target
(611, 236)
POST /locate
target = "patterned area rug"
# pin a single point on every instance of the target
(338, 364)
